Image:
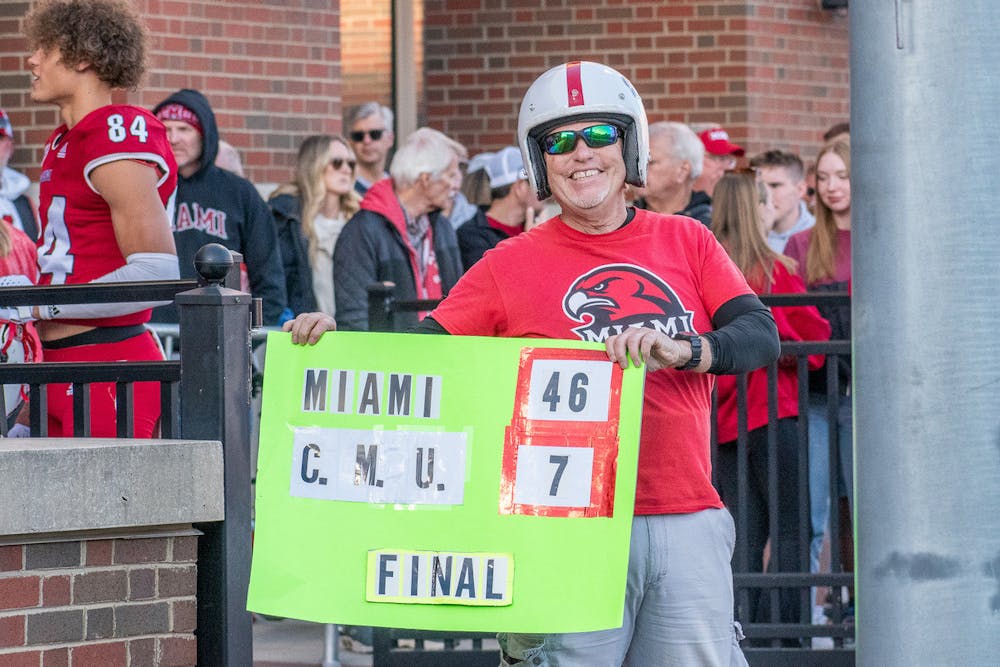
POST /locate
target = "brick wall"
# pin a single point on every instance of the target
(271, 71)
(366, 36)
(99, 602)
(367, 50)
(773, 72)
(797, 80)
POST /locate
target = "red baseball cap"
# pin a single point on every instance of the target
(717, 142)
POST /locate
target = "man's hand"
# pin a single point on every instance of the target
(308, 327)
(642, 345)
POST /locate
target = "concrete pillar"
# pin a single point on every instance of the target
(925, 92)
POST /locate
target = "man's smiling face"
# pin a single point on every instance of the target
(585, 177)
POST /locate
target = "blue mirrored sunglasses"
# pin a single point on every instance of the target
(595, 136)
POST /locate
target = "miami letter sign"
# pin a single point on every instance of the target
(445, 483)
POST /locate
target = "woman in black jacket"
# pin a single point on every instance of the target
(309, 213)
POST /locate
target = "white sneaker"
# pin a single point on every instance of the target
(819, 618)
(352, 645)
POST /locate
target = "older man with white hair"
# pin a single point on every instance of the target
(676, 155)
(400, 234)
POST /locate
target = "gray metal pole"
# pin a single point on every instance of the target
(925, 97)
(215, 405)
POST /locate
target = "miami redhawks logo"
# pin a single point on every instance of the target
(615, 296)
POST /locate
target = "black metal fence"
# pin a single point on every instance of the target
(429, 648)
(770, 640)
(773, 640)
(204, 396)
(81, 375)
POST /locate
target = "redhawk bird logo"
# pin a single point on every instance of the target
(615, 296)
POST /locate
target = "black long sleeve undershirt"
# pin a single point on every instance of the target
(745, 335)
(429, 325)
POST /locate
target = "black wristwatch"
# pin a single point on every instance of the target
(695, 342)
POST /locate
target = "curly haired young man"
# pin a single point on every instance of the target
(107, 177)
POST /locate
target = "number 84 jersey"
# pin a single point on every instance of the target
(78, 240)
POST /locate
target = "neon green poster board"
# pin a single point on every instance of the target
(445, 483)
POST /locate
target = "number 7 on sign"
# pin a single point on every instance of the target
(561, 446)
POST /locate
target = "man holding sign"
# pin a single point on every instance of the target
(656, 290)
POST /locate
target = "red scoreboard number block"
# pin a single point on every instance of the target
(561, 448)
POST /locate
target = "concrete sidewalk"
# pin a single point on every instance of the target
(292, 643)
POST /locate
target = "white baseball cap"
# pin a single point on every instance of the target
(505, 167)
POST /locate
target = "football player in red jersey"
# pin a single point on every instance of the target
(107, 177)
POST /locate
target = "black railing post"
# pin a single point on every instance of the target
(380, 306)
(215, 405)
(234, 279)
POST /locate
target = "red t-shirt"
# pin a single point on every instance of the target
(795, 323)
(664, 272)
(78, 241)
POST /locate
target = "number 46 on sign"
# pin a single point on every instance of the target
(562, 443)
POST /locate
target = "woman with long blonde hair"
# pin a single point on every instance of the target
(739, 225)
(824, 256)
(309, 212)
(741, 211)
(824, 251)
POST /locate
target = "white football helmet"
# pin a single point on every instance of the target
(582, 90)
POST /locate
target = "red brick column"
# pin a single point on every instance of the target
(99, 602)
(773, 72)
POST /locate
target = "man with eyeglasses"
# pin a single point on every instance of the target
(656, 290)
(720, 157)
(369, 128)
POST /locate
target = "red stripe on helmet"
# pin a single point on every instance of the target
(574, 85)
